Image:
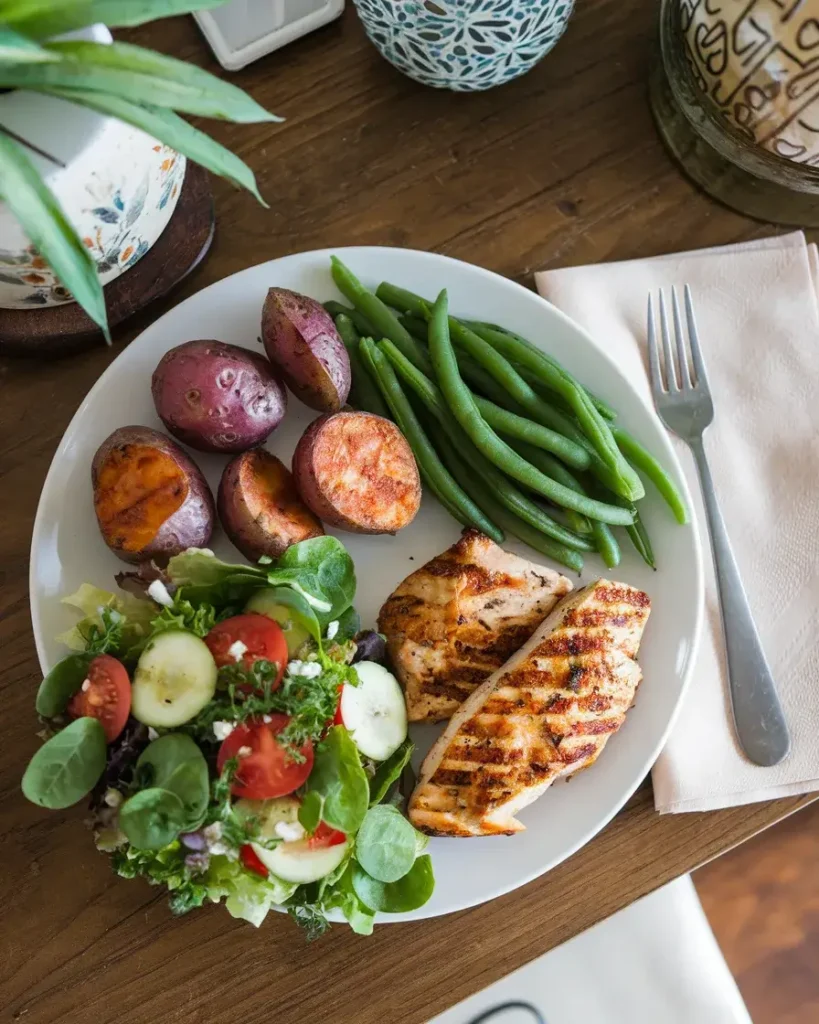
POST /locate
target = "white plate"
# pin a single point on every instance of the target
(67, 548)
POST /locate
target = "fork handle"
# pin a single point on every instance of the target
(760, 723)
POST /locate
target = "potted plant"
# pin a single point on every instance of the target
(91, 137)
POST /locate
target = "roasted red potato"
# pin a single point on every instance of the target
(260, 508)
(217, 397)
(356, 472)
(301, 340)
(150, 498)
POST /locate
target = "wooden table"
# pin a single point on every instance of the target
(562, 166)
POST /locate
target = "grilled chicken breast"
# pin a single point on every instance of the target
(546, 713)
(457, 619)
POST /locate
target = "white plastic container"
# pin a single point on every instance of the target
(245, 30)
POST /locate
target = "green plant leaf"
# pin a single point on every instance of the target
(338, 778)
(68, 766)
(389, 772)
(408, 893)
(60, 684)
(139, 75)
(171, 129)
(41, 19)
(385, 844)
(152, 818)
(21, 50)
(41, 217)
(175, 763)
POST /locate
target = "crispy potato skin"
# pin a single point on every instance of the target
(357, 473)
(217, 397)
(301, 340)
(260, 508)
(150, 498)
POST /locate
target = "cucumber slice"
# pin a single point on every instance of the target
(296, 862)
(290, 611)
(374, 712)
(283, 810)
(175, 678)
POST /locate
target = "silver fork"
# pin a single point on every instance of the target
(684, 405)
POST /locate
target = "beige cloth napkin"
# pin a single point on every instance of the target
(759, 325)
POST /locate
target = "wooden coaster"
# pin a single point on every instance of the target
(62, 330)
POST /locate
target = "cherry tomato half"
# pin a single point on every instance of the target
(265, 768)
(325, 836)
(250, 860)
(106, 697)
(262, 637)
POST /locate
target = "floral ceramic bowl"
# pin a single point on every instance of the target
(464, 44)
(117, 186)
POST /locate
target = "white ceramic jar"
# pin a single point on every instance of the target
(117, 186)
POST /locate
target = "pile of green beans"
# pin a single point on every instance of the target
(497, 426)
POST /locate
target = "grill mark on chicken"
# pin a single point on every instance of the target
(546, 714)
(458, 618)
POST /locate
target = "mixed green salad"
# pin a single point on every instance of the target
(239, 739)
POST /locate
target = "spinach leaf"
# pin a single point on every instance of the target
(198, 567)
(408, 893)
(67, 767)
(310, 811)
(340, 780)
(175, 763)
(389, 772)
(152, 818)
(344, 897)
(349, 623)
(322, 567)
(60, 685)
(385, 844)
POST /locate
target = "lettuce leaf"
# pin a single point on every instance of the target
(247, 896)
(90, 600)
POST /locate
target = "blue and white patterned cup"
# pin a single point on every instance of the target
(464, 44)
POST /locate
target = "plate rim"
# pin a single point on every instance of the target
(670, 456)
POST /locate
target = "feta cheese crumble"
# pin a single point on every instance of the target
(332, 629)
(289, 831)
(307, 669)
(86, 685)
(237, 650)
(221, 730)
(159, 592)
(244, 751)
(152, 733)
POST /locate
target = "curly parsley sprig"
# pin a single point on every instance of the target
(246, 692)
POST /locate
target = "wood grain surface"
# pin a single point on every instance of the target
(562, 166)
(762, 900)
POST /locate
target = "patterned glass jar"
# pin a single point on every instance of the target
(735, 91)
(464, 45)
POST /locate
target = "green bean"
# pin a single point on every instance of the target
(645, 461)
(472, 371)
(554, 468)
(596, 429)
(507, 494)
(637, 533)
(360, 322)
(604, 540)
(442, 482)
(548, 415)
(602, 407)
(384, 321)
(514, 349)
(541, 437)
(460, 401)
(401, 299)
(509, 522)
(364, 392)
